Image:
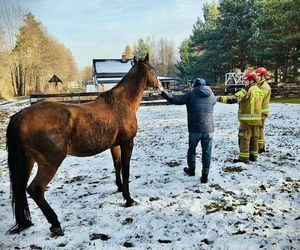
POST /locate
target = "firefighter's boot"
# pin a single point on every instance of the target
(240, 160)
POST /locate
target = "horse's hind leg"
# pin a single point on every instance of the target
(22, 214)
(116, 155)
(36, 190)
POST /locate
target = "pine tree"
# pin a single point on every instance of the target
(277, 38)
(141, 49)
(204, 45)
(184, 65)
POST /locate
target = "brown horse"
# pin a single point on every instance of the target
(47, 132)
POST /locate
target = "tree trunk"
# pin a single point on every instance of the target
(20, 85)
(276, 75)
(13, 81)
(285, 66)
(24, 82)
(215, 74)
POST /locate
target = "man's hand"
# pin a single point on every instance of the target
(160, 88)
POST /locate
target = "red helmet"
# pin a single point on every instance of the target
(261, 71)
(250, 76)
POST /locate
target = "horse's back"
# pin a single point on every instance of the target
(44, 116)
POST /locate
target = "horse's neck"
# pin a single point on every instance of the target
(131, 89)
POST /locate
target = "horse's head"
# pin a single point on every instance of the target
(152, 80)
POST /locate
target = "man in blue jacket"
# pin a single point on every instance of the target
(200, 103)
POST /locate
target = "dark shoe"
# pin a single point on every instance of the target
(252, 158)
(240, 160)
(190, 172)
(261, 150)
(204, 179)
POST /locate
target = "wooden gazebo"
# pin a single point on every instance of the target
(55, 79)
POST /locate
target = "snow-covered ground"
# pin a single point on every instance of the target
(253, 206)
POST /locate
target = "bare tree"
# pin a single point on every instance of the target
(85, 76)
(4, 67)
(128, 52)
(11, 17)
(166, 57)
(151, 41)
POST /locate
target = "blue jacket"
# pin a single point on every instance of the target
(200, 106)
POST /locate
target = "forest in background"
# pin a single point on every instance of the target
(237, 35)
(231, 36)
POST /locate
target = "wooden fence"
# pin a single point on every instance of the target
(152, 98)
(149, 98)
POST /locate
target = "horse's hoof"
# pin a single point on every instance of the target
(131, 203)
(56, 231)
(19, 228)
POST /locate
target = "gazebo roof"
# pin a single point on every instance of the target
(55, 79)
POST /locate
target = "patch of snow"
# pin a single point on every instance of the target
(244, 206)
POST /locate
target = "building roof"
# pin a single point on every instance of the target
(113, 70)
(104, 80)
(111, 67)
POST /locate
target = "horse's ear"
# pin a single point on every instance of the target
(134, 60)
(146, 59)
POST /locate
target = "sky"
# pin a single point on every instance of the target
(102, 29)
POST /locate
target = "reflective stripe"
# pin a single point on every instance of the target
(265, 108)
(245, 155)
(241, 93)
(255, 153)
(252, 105)
(260, 141)
(249, 117)
(224, 99)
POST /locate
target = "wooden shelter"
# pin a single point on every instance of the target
(55, 79)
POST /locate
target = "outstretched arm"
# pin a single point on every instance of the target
(236, 98)
(227, 99)
(175, 99)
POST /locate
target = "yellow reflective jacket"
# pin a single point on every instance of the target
(265, 87)
(250, 104)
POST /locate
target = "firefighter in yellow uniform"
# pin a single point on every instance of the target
(250, 109)
(262, 74)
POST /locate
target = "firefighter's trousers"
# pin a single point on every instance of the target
(248, 141)
(261, 140)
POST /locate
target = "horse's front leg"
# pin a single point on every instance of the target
(126, 151)
(116, 155)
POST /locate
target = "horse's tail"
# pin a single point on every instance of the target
(18, 174)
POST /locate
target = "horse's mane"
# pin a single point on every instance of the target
(108, 96)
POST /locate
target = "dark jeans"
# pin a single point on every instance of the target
(206, 144)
